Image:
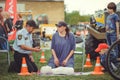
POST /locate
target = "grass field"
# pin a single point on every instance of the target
(4, 75)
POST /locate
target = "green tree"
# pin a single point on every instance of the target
(74, 18)
(85, 18)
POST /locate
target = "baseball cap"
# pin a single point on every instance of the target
(31, 23)
(61, 23)
(101, 46)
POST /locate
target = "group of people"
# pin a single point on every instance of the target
(63, 43)
(6, 25)
(62, 47)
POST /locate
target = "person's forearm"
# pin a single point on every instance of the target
(27, 48)
(70, 54)
(117, 27)
(54, 54)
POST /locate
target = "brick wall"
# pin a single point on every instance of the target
(54, 10)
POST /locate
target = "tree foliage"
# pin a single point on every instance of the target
(74, 18)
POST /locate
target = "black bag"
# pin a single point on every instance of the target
(19, 24)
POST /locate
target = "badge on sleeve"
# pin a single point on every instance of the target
(19, 37)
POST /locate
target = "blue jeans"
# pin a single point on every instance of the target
(103, 60)
(3, 45)
(111, 38)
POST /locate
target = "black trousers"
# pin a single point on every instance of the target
(18, 62)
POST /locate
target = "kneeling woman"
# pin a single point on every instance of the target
(63, 46)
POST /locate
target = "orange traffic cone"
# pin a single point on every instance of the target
(42, 59)
(88, 63)
(97, 69)
(24, 69)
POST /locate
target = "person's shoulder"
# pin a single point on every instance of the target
(56, 33)
(115, 15)
(21, 31)
(108, 16)
(71, 34)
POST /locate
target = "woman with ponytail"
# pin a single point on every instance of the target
(62, 47)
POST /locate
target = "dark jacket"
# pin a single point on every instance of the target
(19, 24)
(3, 33)
(8, 24)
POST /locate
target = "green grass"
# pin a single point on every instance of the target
(4, 75)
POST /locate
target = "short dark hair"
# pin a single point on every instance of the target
(112, 5)
(31, 23)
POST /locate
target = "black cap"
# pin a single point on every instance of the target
(31, 23)
(61, 23)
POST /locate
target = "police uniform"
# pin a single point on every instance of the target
(23, 37)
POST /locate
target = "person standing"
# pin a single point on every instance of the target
(62, 46)
(3, 34)
(112, 24)
(112, 28)
(3, 31)
(23, 47)
(19, 22)
(7, 21)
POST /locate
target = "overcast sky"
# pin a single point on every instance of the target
(87, 6)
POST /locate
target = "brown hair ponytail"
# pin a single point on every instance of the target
(67, 31)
